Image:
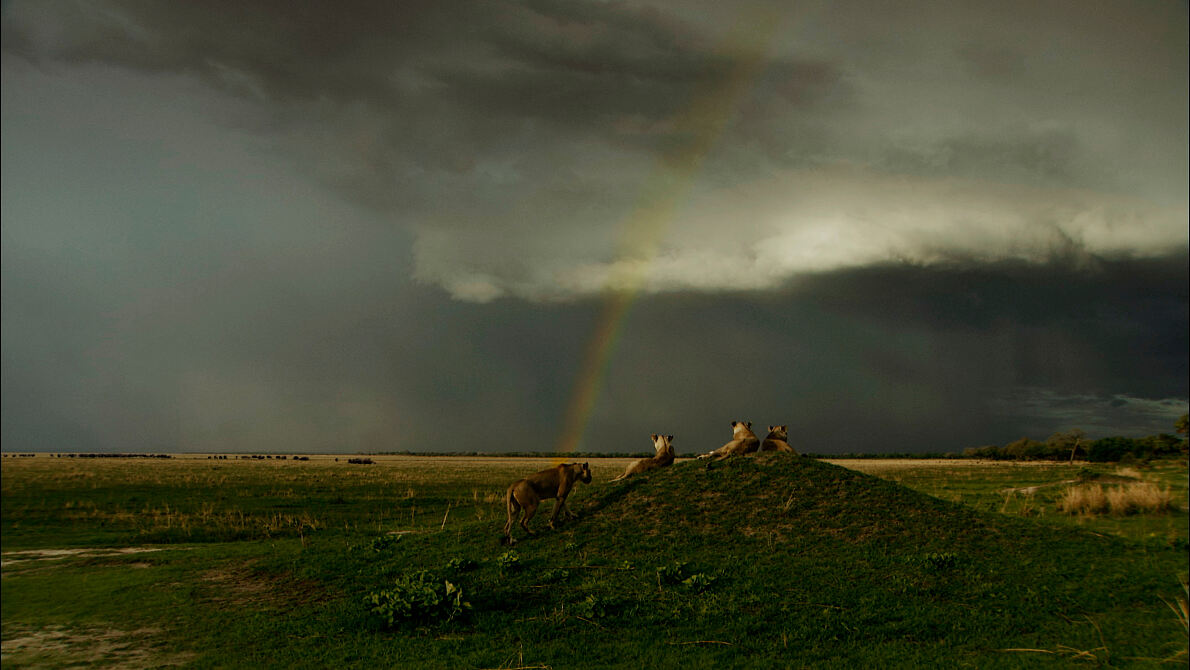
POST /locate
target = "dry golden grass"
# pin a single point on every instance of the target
(1129, 472)
(1134, 498)
(1180, 607)
(87, 646)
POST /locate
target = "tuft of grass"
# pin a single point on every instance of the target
(1134, 498)
(1180, 608)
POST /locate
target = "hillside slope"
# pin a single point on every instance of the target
(786, 501)
(806, 562)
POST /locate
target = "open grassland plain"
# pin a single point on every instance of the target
(768, 561)
(1038, 489)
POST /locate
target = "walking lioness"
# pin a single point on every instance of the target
(777, 440)
(744, 441)
(665, 455)
(528, 493)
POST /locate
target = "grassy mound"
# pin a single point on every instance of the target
(783, 502)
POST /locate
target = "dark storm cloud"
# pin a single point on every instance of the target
(1068, 327)
(913, 226)
(565, 62)
(453, 118)
(913, 359)
(501, 133)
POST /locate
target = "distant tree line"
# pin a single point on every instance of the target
(1073, 444)
(111, 455)
(894, 455)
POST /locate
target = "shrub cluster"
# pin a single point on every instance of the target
(417, 598)
(677, 574)
(508, 561)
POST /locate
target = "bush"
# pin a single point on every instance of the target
(555, 575)
(672, 574)
(698, 582)
(459, 564)
(676, 574)
(418, 598)
(595, 607)
(508, 561)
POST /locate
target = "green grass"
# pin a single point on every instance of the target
(772, 561)
(1033, 489)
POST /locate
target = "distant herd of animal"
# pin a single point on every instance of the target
(556, 482)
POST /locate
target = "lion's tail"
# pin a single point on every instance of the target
(512, 506)
(510, 503)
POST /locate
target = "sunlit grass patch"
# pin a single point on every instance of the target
(80, 646)
(1129, 472)
(1133, 498)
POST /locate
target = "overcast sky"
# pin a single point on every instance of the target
(250, 226)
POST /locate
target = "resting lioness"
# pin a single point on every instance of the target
(777, 440)
(528, 493)
(665, 455)
(744, 441)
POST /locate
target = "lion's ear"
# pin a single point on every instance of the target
(671, 438)
(748, 424)
(733, 423)
(654, 437)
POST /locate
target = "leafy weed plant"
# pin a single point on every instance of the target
(419, 598)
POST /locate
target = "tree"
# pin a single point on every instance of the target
(1025, 449)
(1160, 445)
(1111, 449)
(1069, 442)
(990, 451)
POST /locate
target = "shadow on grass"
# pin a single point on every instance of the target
(615, 493)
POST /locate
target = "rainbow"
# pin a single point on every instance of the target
(703, 121)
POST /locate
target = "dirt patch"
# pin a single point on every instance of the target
(10, 558)
(59, 646)
(1096, 478)
(240, 586)
(1030, 490)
